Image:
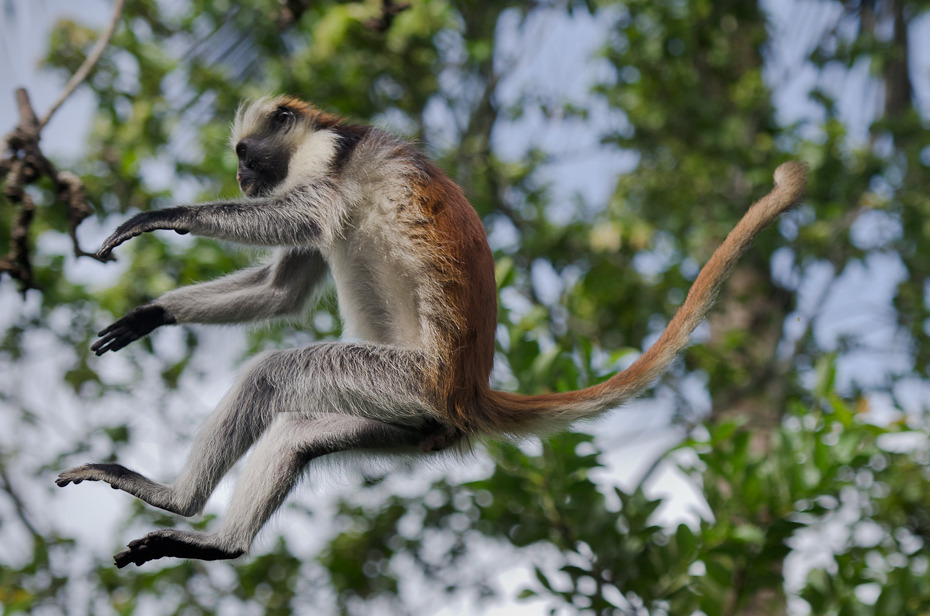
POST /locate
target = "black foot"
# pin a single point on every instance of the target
(173, 543)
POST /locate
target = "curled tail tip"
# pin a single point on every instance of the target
(791, 176)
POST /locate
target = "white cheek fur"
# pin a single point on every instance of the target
(312, 157)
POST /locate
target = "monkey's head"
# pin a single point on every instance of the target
(265, 135)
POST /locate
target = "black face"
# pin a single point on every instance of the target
(263, 159)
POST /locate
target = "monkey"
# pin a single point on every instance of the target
(414, 279)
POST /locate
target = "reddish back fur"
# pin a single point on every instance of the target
(465, 269)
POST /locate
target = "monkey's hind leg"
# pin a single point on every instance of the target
(271, 471)
(239, 419)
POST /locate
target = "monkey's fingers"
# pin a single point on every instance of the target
(112, 242)
(138, 322)
(106, 337)
(114, 338)
(122, 234)
(111, 327)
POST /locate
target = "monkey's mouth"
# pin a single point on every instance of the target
(246, 186)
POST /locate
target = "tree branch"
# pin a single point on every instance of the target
(24, 163)
(87, 66)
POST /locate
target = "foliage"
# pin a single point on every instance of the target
(812, 477)
(825, 468)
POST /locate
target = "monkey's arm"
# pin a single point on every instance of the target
(277, 289)
(302, 217)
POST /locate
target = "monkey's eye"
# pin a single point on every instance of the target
(283, 117)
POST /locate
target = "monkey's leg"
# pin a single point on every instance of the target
(237, 422)
(271, 471)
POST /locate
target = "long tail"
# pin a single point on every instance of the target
(520, 414)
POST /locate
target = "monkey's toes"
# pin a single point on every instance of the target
(108, 472)
(138, 552)
(75, 475)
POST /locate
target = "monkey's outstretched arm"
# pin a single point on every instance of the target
(302, 217)
(282, 287)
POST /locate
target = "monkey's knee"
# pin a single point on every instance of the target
(261, 379)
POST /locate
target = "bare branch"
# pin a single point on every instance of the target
(23, 163)
(16, 263)
(84, 70)
(19, 506)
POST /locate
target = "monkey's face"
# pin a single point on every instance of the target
(262, 166)
(263, 156)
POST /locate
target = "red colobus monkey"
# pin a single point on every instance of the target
(415, 282)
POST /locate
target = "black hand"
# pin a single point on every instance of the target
(171, 218)
(137, 323)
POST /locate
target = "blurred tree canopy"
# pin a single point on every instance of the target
(799, 417)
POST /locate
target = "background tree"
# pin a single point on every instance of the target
(800, 415)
